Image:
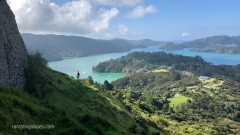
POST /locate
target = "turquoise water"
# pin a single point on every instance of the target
(84, 64)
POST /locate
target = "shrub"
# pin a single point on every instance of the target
(90, 80)
(107, 85)
(36, 81)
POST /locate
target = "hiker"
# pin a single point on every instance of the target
(78, 75)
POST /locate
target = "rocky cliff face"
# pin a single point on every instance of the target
(13, 53)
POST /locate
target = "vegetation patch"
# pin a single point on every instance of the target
(160, 71)
(213, 83)
(178, 99)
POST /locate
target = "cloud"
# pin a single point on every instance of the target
(185, 34)
(141, 11)
(116, 31)
(77, 17)
(119, 2)
(103, 19)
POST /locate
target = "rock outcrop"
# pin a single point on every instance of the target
(13, 53)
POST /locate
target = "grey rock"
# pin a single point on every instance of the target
(13, 53)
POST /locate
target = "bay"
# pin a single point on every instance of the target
(84, 65)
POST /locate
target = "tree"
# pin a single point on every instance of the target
(34, 75)
(98, 85)
(107, 85)
(174, 76)
(90, 80)
(199, 58)
(148, 96)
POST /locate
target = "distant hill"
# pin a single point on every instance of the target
(218, 44)
(171, 46)
(55, 47)
(212, 41)
(145, 42)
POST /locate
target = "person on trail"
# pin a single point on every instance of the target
(78, 74)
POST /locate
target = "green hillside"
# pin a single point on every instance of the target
(73, 107)
(158, 101)
(182, 105)
(164, 90)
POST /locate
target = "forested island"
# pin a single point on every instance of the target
(145, 61)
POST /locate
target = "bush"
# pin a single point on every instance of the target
(90, 80)
(36, 81)
(107, 85)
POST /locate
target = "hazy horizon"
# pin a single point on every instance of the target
(177, 41)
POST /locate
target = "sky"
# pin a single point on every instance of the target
(165, 20)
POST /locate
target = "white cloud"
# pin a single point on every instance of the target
(103, 18)
(119, 2)
(116, 31)
(185, 34)
(76, 17)
(141, 11)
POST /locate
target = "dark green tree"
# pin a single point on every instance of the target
(34, 74)
(174, 76)
(107, 85)
(90, 80)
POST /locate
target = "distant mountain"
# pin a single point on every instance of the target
(145, 43)
(218, 44)
(171, 46)
(212, 41)
(178, 41)
(55, 47)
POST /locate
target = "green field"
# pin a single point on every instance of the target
(160, 71)
(178, 99)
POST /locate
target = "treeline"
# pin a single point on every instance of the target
(145, 61)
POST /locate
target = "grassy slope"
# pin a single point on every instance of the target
(73, 107)
(160, 71)
(213, 83)
(178, 99)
